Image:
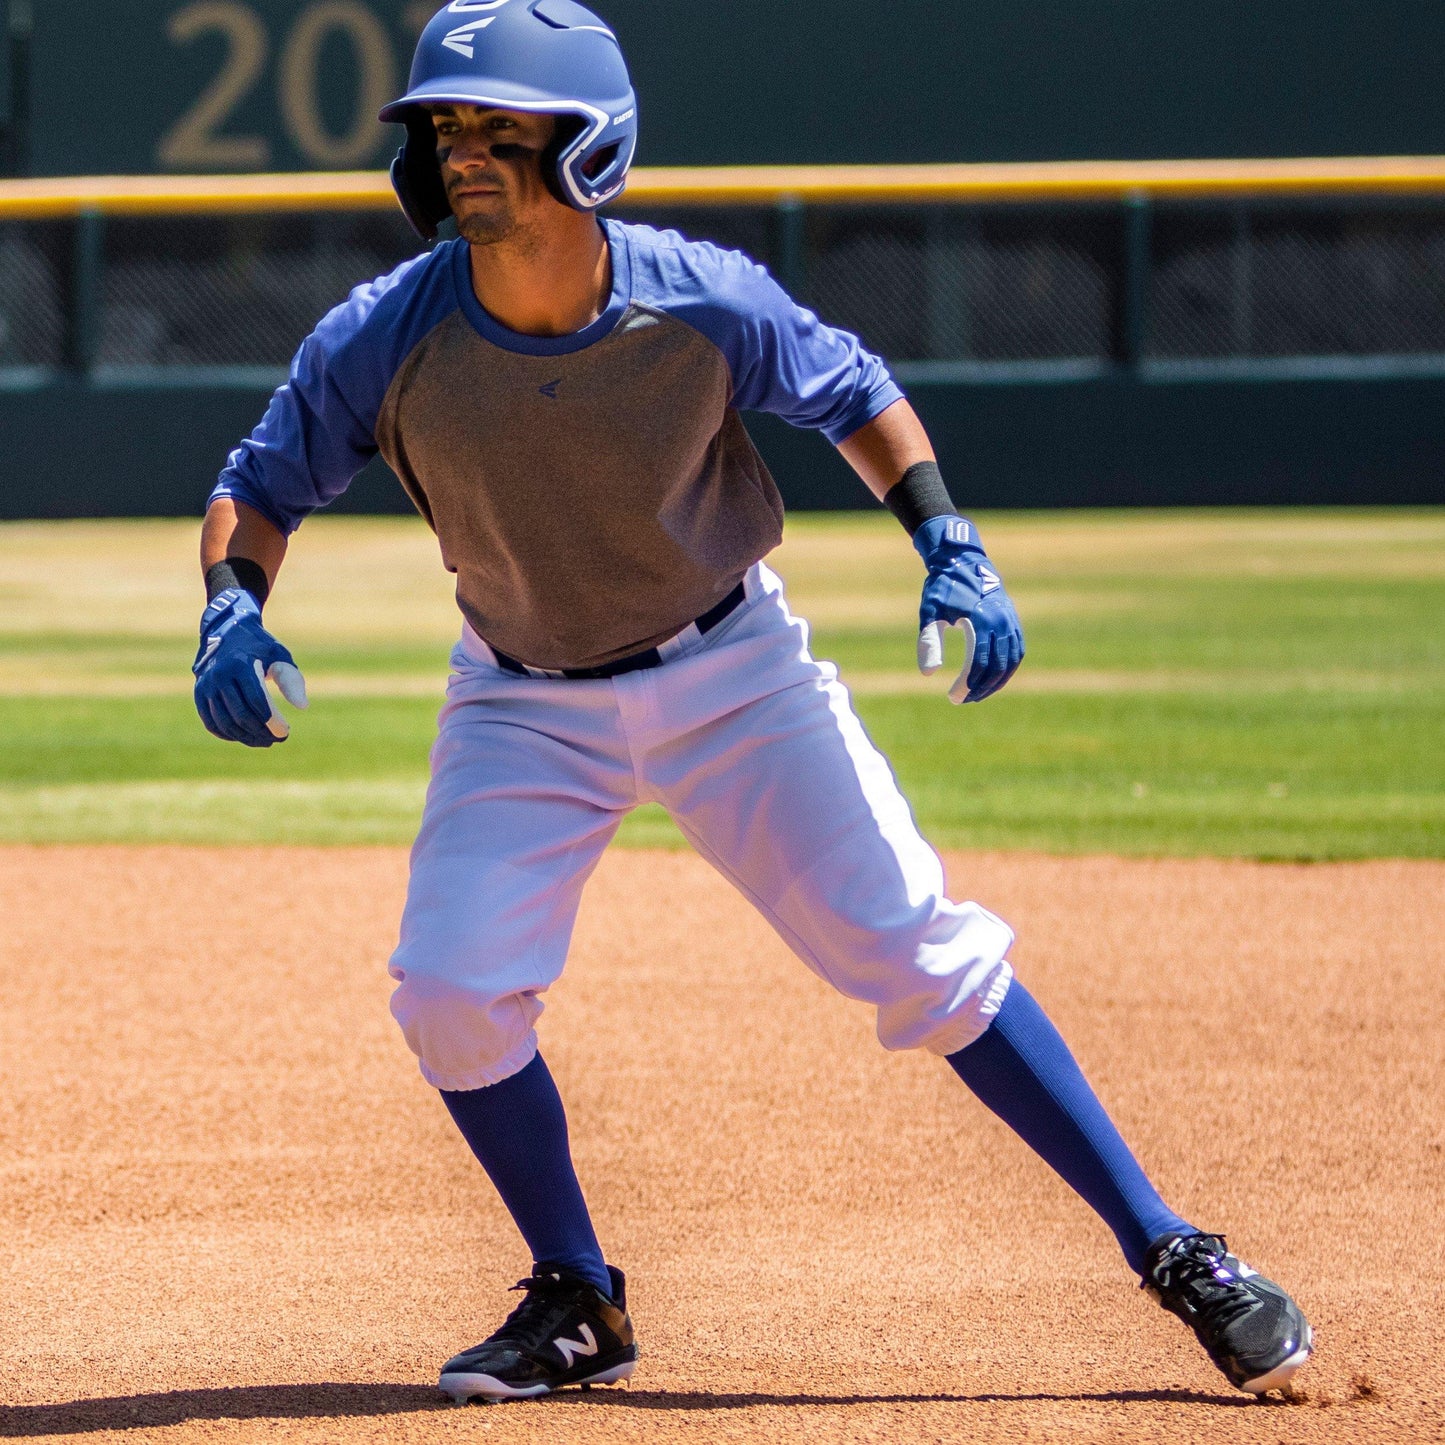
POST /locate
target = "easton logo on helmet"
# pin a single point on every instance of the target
(462, 39)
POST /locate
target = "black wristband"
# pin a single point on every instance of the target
(920, 497)
(239, 572)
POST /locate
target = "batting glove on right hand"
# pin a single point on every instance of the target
(236, 657)
(964, 591)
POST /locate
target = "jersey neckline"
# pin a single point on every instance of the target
(492, 330)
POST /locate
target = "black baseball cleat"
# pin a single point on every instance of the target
(565, 1332)
(1251, 1328)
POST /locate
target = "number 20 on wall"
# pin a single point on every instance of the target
(197, 141)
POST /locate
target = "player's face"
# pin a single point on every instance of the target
(490, 164)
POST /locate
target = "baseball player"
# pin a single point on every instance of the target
(561, 396)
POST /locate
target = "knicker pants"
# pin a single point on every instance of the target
(753, 747)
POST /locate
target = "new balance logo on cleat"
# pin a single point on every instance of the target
(570, 1349)
(560, 1315)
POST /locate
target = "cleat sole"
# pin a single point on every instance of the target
(1280, 1377)
(464, 1388)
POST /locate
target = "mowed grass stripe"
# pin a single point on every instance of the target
(366, 810)
(203, 810)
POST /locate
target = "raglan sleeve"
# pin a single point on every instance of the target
(784, 360)
(319, 429)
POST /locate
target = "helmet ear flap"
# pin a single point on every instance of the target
(417, 178)
(569, 127)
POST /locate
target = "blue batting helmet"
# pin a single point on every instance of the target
(550, 56)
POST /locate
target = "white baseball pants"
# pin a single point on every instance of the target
(753, 747)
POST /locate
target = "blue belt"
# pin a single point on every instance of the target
(637, 661)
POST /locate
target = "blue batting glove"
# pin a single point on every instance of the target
(236, 657)
(964, 591)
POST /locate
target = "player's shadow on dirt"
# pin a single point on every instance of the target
(250, 1402)
(299, 1402)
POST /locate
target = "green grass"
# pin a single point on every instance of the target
(1276, 776)
(1229, 683)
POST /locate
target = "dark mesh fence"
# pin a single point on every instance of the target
(939, 282)
(1297, 281)
(1348, 285)
(1199, 285)
(921, 283)
(953, 284)
(234, 291)
(33, 283)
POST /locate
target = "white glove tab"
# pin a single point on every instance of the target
(930, 654)
(964, 591)
(286, 678)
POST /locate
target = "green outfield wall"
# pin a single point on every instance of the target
(69, 451)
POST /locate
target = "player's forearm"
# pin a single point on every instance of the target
(883, 450)
(235, 531)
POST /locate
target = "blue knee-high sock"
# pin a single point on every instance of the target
(1023, 1070)
(518, 1130)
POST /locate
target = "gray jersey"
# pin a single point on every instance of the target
(592, 492)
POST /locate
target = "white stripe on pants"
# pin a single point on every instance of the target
(752, 746)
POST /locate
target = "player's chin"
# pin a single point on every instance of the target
(483, 220)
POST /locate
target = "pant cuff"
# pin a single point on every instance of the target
(484, 1078)
(964, 1028)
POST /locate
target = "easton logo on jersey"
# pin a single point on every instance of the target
(549, 390)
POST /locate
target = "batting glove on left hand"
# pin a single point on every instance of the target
(236, 657)
(964, 591)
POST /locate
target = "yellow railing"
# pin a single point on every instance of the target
(754, 185)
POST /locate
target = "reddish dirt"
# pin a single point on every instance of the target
(233, 1210)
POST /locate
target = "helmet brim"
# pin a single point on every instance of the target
(485, 91)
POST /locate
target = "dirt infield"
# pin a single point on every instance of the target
(232, 1210)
